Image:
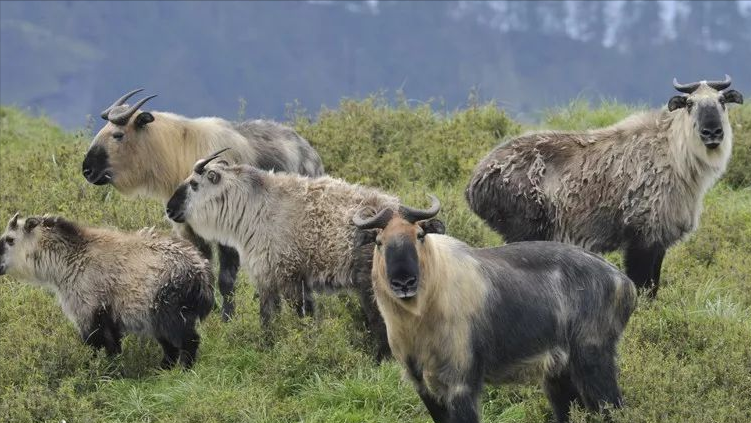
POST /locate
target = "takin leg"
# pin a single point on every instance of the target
(308, 307)
(641, 263)
(300, 298)
(438, 412)
(594, 373)
(270, 305)
(171, 353)
(103, 332)
(189, 347)
(375, 324)
(229, 264)
(657, 269)
(112, 337)
(561, 392)
(463, 408)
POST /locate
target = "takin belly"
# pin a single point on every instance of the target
(529, 369)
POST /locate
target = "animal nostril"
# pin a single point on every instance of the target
(404, 283)
(718, 132)
(169, 211)
(87, 172)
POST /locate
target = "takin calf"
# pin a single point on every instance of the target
(111, 283)
(457, 316)
(637, 185)
(151, 153)
(290, 230)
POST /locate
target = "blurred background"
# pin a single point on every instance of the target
(70, 59)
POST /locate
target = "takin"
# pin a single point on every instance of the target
(635, 186)
(458, 316)
(111, 283)
(290, 230)
(151, 153)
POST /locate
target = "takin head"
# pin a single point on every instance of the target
(18, 240)
(198, 198)
(118, 140)
(399, 241)
(705, 101)
(21, 238)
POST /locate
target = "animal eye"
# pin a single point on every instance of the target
(689, 104)
(118, 135)
(213, 177)
(378, 242)
(421, 236)
(193, 185)
(10, 241)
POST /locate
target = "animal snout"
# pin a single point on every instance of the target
(95, 167)
(176, 205)
(712, 135)
(404, 287)
(175, 214)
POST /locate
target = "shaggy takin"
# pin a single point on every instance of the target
(111, 283)
(637, 185)
(290, 230)
(151, 153)
(458, 316)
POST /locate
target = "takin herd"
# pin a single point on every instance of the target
(543, 307)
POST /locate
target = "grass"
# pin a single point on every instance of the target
(684, 358)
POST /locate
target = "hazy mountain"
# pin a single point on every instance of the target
(71, 59)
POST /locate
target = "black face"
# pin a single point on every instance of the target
(176, 204)
(709, 125)
(402, 266)
(96, 167)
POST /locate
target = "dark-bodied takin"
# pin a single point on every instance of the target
(457, 316)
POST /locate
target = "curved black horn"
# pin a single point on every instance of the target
(379, 221)
(415, 215)
(123, 117)
(119, 102)
(685, 88)
(720, 85)
(198, 168)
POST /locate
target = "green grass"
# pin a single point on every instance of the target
(685, 357)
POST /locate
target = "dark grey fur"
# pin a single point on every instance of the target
(543, 297)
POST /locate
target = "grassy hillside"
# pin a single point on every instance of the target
(684, 358)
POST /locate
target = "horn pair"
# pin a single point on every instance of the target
(690, 88)
(411, 215)
(123, 117)
(201, 164)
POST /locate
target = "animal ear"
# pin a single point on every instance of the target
(677, 102)
(733, 96)
(144, 118)
(364, 237)
(30, 224)
(433, 226)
